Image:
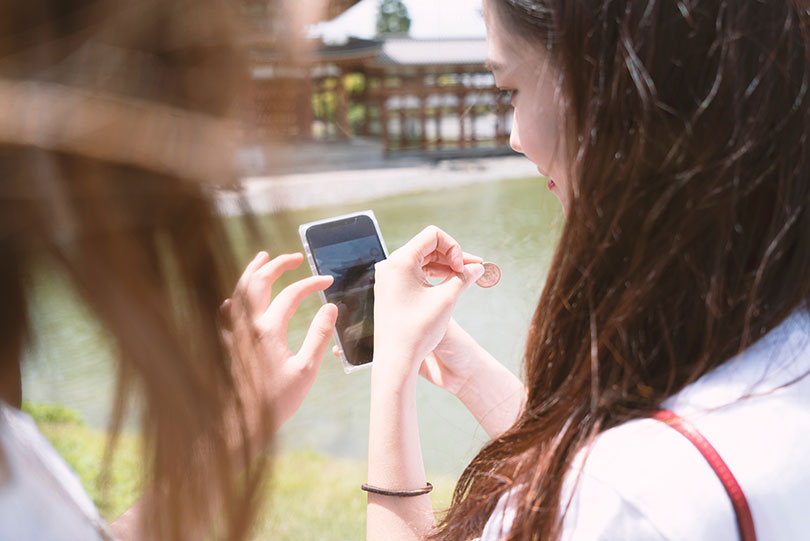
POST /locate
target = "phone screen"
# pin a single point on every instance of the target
(347, 249)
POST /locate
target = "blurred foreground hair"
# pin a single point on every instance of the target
(113, 116)
(688, 233)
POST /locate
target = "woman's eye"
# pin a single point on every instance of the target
(506, 96)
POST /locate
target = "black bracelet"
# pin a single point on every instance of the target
(398, 493)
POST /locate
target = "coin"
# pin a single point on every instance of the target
(491, 276)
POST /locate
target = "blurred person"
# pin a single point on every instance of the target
(116, 120)
(666, 393)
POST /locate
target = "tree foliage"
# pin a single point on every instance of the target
(393, 18)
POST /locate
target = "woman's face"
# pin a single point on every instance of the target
(525, 69)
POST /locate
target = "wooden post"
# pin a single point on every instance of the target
(305, 119)
(438, 115)
(460, 112)
(365, 129)
(472, 125)
(423, 122)
(341, 108)
(422, 94)
(403, 128)
(383, 99)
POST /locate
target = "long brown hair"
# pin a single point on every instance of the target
(108, 110)
(688, 234)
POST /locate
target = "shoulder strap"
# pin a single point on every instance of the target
(745, 521)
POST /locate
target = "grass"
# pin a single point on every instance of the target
(83, 449)
(318, 497)
(311, 496)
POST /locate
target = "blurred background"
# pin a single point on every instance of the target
(362, 104)
(402, 77)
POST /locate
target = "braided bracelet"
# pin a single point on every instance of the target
(398, 493)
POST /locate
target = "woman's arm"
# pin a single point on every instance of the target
(410, 319)
(460, 366)
(489, 390)
(395, 459)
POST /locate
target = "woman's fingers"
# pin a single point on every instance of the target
(458, 283)
(240, 292)
(319, 333)
(471, 258)
(439, 257)
(258, 260)
(286, 303)
(239, 305)
(272, 270)
(436, 253)
(260, 283)
(437, 270)
(434, 245)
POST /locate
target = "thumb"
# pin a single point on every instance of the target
(319, 333)
(459, 283)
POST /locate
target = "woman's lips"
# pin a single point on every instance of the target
(551, 184)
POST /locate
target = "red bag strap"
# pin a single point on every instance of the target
(745, 521)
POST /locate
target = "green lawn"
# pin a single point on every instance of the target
(312, 496)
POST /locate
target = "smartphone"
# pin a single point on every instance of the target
(347, 248)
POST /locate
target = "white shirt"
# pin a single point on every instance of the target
(41, 498)
(644, 480)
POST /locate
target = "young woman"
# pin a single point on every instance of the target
(677, 136)
(113, 118)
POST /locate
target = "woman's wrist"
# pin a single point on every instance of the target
(392, 376)
(468, 381)
(394, 364)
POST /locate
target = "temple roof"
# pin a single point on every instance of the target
(390, 54)
(432, 52)
(353, 48)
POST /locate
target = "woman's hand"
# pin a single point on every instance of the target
(453, 361)
(256, 332)
(410, 318)
(492, 393)
(410, 314)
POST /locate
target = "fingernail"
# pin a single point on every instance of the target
(326, 307)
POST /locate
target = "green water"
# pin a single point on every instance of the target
(513, 223)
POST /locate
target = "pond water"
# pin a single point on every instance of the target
(514, 223)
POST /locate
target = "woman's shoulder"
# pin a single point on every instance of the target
(40, 496)
(643, 474)
(755, 411)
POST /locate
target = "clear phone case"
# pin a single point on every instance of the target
(302, 232)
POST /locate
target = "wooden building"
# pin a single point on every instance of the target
(434, 94)
(414, 95)
(289, 88)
